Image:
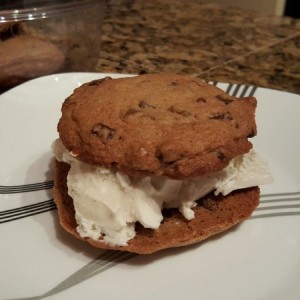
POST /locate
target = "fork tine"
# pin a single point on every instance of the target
(280, 214)
(252, 92)
(279, 200)
(278, 207)
(14, 189)
(297, 193)
(28, 214)
(229, 88)
(237, 88)
(26, 211)
(244, 91)
(288, 203)
(105, 262)
(27, 207)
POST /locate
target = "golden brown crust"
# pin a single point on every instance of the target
(158, 124)
(212, 216)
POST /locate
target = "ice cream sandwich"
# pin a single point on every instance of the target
(155, 161)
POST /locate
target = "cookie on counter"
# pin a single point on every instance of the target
(26, 57)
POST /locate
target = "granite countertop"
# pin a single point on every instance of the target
(205, 40)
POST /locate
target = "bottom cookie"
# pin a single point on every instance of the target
(213, 215)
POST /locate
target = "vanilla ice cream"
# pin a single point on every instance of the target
(108, 204)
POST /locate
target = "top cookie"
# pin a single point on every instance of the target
(157, 124)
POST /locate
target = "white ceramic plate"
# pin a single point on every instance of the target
(260, 259)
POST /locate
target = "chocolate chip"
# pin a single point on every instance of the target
(179, 111)
(221, 155)
(201, 100)
(160, 157)
(208, 204)
(130, 112)
(166, 161)
(251, 134)
(221, 116)
(224, 98)
(98, 81)
(144, 104)
(169, 212)
(104, 132)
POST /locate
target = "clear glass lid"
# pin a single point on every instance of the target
(20, 10)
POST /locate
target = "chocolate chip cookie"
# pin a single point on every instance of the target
(156, 124)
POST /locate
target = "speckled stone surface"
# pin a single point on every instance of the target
(211, 42)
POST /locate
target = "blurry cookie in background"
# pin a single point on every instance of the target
(25, 57)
